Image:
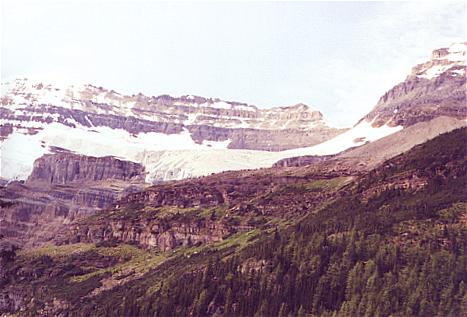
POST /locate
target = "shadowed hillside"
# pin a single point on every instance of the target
(391, 242)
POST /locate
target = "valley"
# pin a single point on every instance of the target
(115, 205)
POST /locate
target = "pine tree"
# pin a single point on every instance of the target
(200, 306)
(301, 312)
(283, 310)
(263, 310)
(228, 306)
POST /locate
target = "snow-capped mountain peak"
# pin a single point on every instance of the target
(188, 109)
(38, 116)
(187, 136)
(451, 59)
(433, 89)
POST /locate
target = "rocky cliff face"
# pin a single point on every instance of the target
(63, 168)
(433, 89)
(94, 121)
(209, 209)
(162, 234)
(298, 124)
(63, 187)
(175, 112)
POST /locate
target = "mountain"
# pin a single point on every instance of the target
(109, 216)
(431, 100)
(433, 89)
(61, 188)
(88, 168)
(271, 242)
(94, 121)
(175, 137)
(410, 113)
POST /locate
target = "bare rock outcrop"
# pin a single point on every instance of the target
(302, 160)
(205, 210)
(433, 89)
(63, 187)
(64, 168)
(152, 233)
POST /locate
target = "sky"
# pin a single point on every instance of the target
(337, 57)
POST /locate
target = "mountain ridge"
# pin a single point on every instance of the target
(422, 97)
(129, 216)
(174, 137)
(95, 99)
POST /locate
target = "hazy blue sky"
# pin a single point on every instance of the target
(338, 57)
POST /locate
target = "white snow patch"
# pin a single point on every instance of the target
(434, 71)
(456, 57)
(217, 144)
(245, 108)
(459, 71)
(25, 124)
(220, 105)
(192, 116)
(172, 165)
(88, 121)
(17, 156)
(358, 135)
(457, 52)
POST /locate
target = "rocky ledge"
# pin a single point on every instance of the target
(64, 168)
(63, 187)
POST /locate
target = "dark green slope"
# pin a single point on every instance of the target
(392, 244)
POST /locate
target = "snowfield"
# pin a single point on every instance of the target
(165, 157)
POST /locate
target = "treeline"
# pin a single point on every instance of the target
(400, 252)
(315, 270)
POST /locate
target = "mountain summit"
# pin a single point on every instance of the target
(90, 120)
(434, 88)
(192, 136)
(186, 110)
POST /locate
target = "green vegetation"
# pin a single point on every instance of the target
(328, 184)
(235, 242)
(139, 212)
(376, 249)
(138, 263)
(239, 240)
(55, 251)
(214, 212)
(355, 257)
(70, 272)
